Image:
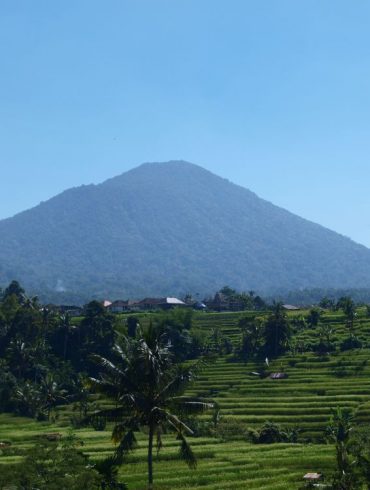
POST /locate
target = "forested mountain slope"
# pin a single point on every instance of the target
(170, 228)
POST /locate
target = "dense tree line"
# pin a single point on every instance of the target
(49, 359)
(272, 334)
(43, 355)
(46, 356)
(311, 296)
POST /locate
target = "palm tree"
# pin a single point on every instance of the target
(349, 309)
(147, 387)
(252, 331)
(51, 392)
(325, 333)
(277, 331)
(22, 357)
(339, 431)
(27, 399)
(67, 328)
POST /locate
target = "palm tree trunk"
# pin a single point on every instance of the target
(150, 457)
(276, 340)
(65, 345)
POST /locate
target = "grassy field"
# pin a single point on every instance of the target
(221, 465)
(315, 384)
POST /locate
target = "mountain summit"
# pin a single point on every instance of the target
(170, 228)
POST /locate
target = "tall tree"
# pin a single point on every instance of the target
(15, 289)
(349, 309)
(340, 430)
(251, 336)
(147, 388)
(277, 331)
(313, 317)
(96, 335)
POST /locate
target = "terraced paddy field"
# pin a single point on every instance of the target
(314, 385)
(221, 465)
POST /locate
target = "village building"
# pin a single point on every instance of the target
(291, 307)
(118, 306)
(160, 303)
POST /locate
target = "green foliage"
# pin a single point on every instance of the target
(228, 291)
(99, 423)
(14, 289)
(230, 299)
(269, 433)
(132, 325)
(108, 469)
(325, 336)
(252, 331)
(42, 353)
(324, 297)
(277, 332)
(245, 393)
(231, 430)
(219, 343)
(96, 334)
(181, 318)
(349, 309)
(176, 327)
(327, 303)
(339, 430)
(51, 466)
(349, 343)
(147, 388)
(313, 317)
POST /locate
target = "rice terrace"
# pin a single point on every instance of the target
(184, 245)
(271, 420)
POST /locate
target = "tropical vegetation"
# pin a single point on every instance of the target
(142, 391)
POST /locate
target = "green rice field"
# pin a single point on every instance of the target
(315, 384)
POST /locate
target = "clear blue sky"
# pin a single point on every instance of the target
(274, 95)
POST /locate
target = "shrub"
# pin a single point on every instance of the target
(99, 423)
(350, 343)
(200, 427)
(51, 465)
(77, 422)
(323, 347)
(270, 433)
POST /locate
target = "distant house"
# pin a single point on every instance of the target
(118, 306)
(106, 303)
(199, 306)
(291, 307)
(160, 303)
